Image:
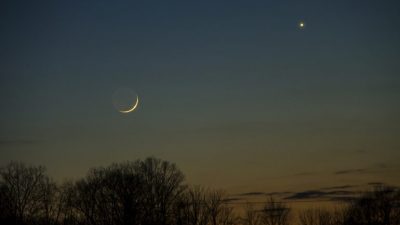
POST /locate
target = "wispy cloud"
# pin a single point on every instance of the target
(317, 194)
(303, 174)
(342, 198)
(375, 183)
(255, 193)
(306, 195)
(381, 166)
(279, 193)
(339, 187)
(232, 199)
(252, 194)
(377, 167)
(8, 142)
(350, 171)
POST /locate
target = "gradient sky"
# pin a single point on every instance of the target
(233, 92)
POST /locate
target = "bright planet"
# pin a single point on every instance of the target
(302, 25)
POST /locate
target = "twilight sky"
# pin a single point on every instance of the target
(233, 92)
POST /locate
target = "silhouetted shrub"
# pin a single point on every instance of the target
(152, 192)
(378, 207)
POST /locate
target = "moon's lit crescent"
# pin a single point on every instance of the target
(133, 107)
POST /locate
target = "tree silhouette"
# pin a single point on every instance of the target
(192, 208)
(110, 195)
(316, 216)
(379, 207)
(215, 205)
(153, 192)
(251, 215)
(142, 192)
(26, 192)
(275, 213)
(163, 185)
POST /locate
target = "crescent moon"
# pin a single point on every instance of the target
(133, 107)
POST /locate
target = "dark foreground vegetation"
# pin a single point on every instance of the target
(153, 192)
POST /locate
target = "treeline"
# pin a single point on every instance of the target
(154, 192)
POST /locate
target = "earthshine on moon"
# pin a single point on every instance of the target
(133, 107)
(125, 100)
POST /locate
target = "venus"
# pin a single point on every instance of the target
(302, 25)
